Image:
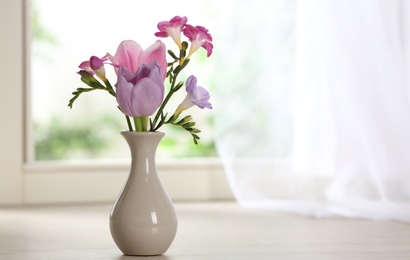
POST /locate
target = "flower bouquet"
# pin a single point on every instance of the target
(141, 78)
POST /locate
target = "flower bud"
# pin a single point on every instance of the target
(97, 65)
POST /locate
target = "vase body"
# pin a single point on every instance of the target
(143, 219)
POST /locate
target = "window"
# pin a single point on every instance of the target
(23, 181)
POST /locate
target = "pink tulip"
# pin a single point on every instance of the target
(140, 94)
(173, 28)
(130, 55)
(199, 37)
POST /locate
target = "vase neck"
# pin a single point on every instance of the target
(142, 143)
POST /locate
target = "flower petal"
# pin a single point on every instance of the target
(156, 51)
(172, 28)
(140, 93)
(208, 47)
(190, 83)
(146, 97)
(124, 90)
(155, 74)
(128, 55)
(202, 97)
(199, 36)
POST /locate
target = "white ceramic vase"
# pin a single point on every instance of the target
(143, 220)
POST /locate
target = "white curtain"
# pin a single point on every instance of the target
(314, 113)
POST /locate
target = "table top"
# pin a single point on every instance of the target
(217, 230)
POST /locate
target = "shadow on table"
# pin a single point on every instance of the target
(157, 257)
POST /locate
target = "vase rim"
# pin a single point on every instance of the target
(142, 133)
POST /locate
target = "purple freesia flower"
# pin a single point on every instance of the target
(95, 65)
(141, 93)
(172, 28)
(196, 95)
(199, 37)
(129, 54)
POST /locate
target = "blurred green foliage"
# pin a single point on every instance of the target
(178, 143)
(59, 139)
(40, 35)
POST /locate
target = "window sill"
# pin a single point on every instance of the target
(101, 181)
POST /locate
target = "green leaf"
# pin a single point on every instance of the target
(195, 141)
(187, 125)
(184, 120)
(185, 63)
(172, 54)
(177, 69)
(195, 137)
(76, 94)
(194, 130)
(178, 86)
(93, 84)
(89, 79)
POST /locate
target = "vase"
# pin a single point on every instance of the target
(143, 219)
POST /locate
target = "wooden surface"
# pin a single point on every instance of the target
(206, 231)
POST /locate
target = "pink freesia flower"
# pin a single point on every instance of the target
(130, 55)
(172, 28)
(95, 65)
(141, 93)
(85, 65)
(196, 95)
(199, 37)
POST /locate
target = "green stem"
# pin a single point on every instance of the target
(167, 98)
(137, 123)
(141, 123)
(129, 123)
(109, 88)
(144, 122)
(171, 91)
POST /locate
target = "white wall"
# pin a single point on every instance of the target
(11, 101)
